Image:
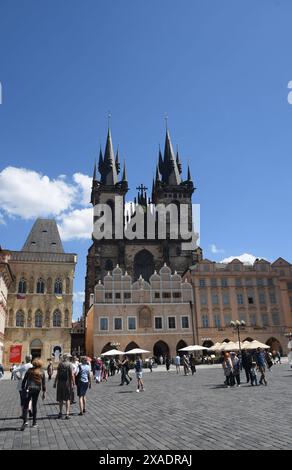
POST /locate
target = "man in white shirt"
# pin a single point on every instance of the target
(177, 364)
(19, 374)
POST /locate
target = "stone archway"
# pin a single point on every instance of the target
(207, 344)
(131, 345)
(181, 344)
(143, 265)
(275, 345)
(36, 347)
(107, 347)
(248, 339)
(160, 348)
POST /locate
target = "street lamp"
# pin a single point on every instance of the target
(237, 324)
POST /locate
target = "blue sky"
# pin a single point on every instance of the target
(219, 69)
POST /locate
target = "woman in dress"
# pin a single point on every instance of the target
(64, 382)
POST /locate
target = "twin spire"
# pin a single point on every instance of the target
(168, 169)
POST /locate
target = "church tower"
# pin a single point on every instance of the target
(139, 256)
(105, 254)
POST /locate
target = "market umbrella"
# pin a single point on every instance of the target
(194, 347)
(136, 351)
(113, 352)
(221, 346)
(214, 347)
(256, 344)
(231, 346)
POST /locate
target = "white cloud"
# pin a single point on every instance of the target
(216, 250)
(84, 182)
(76, 224)
(2, 221)
(79, 296)
(28, 194)
(245, 258)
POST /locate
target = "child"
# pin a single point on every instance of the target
(253, 374)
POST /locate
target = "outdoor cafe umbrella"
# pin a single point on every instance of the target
(256, 344)
(113, 352)
(194, 347)
(214, 347)
(231, 346)
(136, 351)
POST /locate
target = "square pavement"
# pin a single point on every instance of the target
(174, 412)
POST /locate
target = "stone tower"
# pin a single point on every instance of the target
(138, 256)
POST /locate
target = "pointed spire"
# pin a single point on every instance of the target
(171, 172)
(109, 173)
(157, 176)
(118, 166)
(94, 171)
(178, 162)
(189, 174)
(124, 176)
(100, 161)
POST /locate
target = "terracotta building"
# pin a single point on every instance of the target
(40, 298)
(6, 279)
(78, 337)
(155, 315)
(260, 294)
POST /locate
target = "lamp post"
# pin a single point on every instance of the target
(237, 324)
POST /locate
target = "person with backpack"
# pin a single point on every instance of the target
(64, 382)
(19, 374)
(97, 370)
(33, 382)
(83, 379)
(139, 374)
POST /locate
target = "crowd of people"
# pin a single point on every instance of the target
(254, 363)
(73, 377)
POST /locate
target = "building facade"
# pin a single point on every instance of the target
(139, 256)
(78, 337)
(260, 294)
(40, 297)
(6, 279)
(155, 315)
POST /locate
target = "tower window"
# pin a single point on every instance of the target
(22, 286)
(40, 286)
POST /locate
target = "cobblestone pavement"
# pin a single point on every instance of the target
(174, 412)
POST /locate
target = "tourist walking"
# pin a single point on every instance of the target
(246, 363)
(75, 368)
(33, 382)
(227, 368)
(253, 374)
(83, 383)
(150, 364)
(167, 362)
(235, 368)
(19, 374)
(64, 382)
(12, 370)
(177, 364)
(139, 374)
(261, 363)
(1, 371)
(193, 363)
(112, 367)
(97, 370)
(186, 365)
(50, 370)
(124, 371)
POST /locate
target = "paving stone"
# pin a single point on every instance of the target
(174, 412)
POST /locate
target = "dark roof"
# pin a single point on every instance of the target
(44, 238)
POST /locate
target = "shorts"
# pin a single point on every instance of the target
(139, 375)
(82, 389)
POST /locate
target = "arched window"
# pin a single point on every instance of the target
(58, 287)
(22, 286)
(57, 318)
(40, 286)
(66, 318)
(20, 318)
(143, 265)
(38, 320)
(108, 265)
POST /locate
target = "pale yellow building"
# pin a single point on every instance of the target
(6, 279)
(260, 294)
(40, 298)
(155, 315)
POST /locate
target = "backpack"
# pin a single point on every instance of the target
(63, 373)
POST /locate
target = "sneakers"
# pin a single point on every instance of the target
(80, 414)
(35, 425)
(67, 417)
(137, 390)
(24, 426)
